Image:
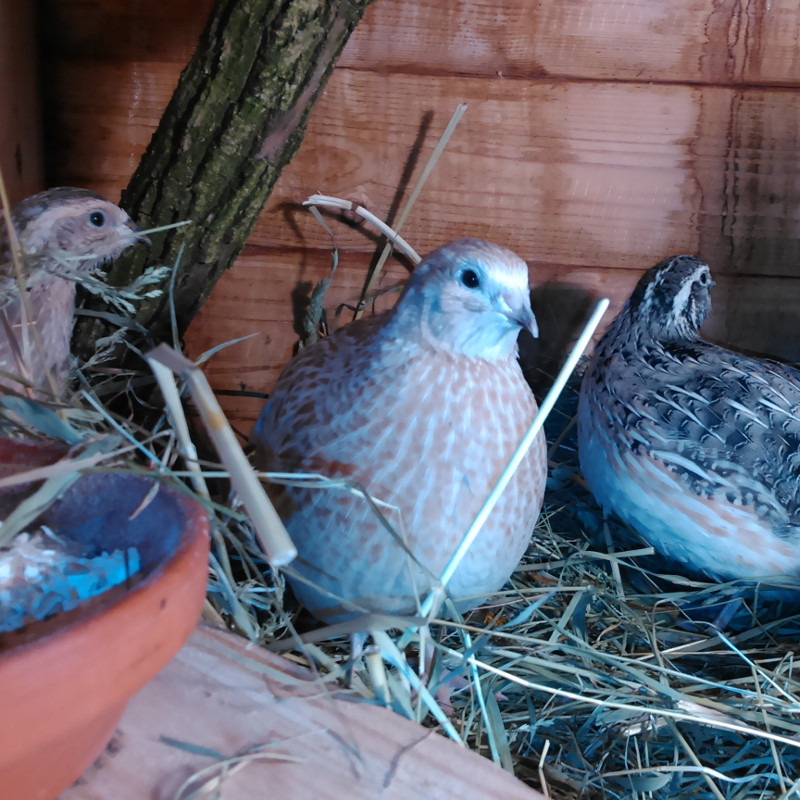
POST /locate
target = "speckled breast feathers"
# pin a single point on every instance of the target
(694, 445)
(422, 406)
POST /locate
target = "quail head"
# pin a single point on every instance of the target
(422, 406)
(61, 233)
(695, 446)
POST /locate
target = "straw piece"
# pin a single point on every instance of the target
(355, 208)
(172, 400)
(65, 466)
(432, 161)
(516, 459)
(26, 328)
(269, 529)
(392, 654)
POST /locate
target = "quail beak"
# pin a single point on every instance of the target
(521, 316)
(525, 319)
(139, 236)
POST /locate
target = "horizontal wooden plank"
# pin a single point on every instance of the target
(679, 40)
(572, 173)
(690, 41)
(222, 695)
(20, 114)
(121, 31)
(101, 134)
(256, 297)
(260, 298)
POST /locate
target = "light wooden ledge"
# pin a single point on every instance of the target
(222, 694)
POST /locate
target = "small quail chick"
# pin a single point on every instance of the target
(695, 446)
(423, 406)
(62, 233)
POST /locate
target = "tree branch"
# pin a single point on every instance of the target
(237, 117)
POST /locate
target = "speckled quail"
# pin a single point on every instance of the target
(422, 406)
(695, 446)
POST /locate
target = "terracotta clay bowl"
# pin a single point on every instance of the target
(65, 681)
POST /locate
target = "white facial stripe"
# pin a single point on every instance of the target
(681, 300)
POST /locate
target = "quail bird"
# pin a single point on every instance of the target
(693, 445)
(422, 406)
(62, 233)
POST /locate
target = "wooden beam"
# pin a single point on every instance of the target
(222, 695)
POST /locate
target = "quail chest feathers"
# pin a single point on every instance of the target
(422, 406)
(695, 446)
(61, 233)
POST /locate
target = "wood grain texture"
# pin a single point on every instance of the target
(235, 119)
(263, 297)
(600, 137)
(100, 136)
(121, 31)
(252, 300)
(225, 696)
(689, 41)
(575, 173)
(20, 124)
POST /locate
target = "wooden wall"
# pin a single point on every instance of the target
(600, 137)
(20, 129)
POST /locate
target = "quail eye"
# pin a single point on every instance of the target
(97, 218)
(703, 279)
(470, 279)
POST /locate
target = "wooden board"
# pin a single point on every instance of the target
(572, 173)
(576, 172)
(102, 134)
(610, 170)
(600, 137)
(118, 31)
(20, 125)
(222, 694)
(691, 41)
(258, 297)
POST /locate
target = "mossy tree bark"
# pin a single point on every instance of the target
(235, 120)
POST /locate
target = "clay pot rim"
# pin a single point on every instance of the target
(134, 631)
(64, 623)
